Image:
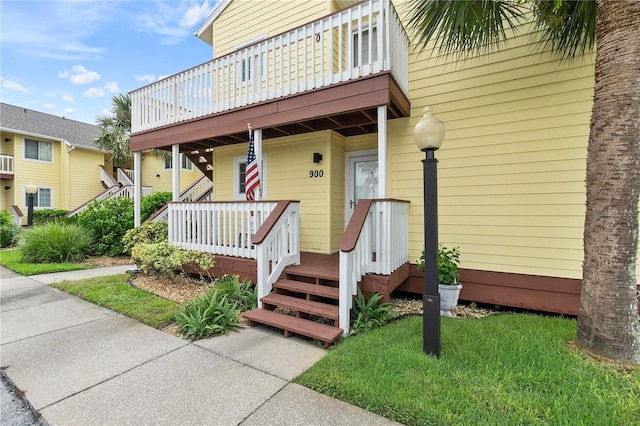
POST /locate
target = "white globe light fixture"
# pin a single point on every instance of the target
(429, 132)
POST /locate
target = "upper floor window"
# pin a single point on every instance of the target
(185, 163)
(366, 57)
(43, 198)
(38, 150)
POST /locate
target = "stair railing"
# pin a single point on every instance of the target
(125, 176)
(106, 178)
(200, 190)
(375, 241)
(277, 244)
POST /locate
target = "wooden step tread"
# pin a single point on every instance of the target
(308, 288)
(302, 305)
(315, 330)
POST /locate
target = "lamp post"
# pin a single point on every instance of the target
(31, 191)
(429, 134)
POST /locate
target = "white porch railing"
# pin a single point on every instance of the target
(375, 241)
(125, 176)
(365, 39)
(6, 164)
(223, 228)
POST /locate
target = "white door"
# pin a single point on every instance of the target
(362, 179)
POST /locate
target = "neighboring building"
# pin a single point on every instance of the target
(334, 90)
(58, 155)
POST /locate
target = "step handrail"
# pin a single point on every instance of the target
(277, 244)
(163, 212)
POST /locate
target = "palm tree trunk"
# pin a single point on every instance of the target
(608, 323)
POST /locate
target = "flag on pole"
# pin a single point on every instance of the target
(251, 177)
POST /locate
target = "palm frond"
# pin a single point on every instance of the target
(463, 27)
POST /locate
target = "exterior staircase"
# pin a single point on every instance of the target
(304, 301)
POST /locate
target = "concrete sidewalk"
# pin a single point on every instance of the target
(80, 364)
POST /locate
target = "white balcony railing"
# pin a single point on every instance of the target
(376, 241)
(365, 39)
(6, 164)
(223, 228)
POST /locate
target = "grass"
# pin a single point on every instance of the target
(13, 260)
(503, 369)
(115, 293)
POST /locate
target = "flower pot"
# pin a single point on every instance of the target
(448, 298)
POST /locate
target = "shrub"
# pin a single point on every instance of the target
(243, 293)
(55, 242)
(147, 233)
(210, 314)
(41, 217)
(109, 220)
(152, 203)
(8, 229)
(164, 258)
(369, 314)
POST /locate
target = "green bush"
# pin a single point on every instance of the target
(41, 217)
(369, 314)
(164, 258)
(243, 293)
(109, 220)
(210, 314)
(152, 203)
(55, 242)
(147, 233)
(8, 229)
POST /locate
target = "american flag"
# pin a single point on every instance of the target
(251, 177)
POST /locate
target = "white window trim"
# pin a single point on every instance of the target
(236, 177)
(182, 156)
(26, 196)
(257, 58)
(24, 151)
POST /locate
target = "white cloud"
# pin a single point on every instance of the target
(14, 86)
(79, 75)
(195, 14)
(112, 87)
(70, 110)
(106, 112)
(160, 77)
(63, 74)
(67, 98)
(147, 77)
(48, 106)
(94, 92)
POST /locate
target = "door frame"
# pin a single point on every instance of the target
(349, 192)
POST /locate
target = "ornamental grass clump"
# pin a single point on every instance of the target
(367, 314)
(8, 229)
(56, 242)
(244, 293)
(213, 313)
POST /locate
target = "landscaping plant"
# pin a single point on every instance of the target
(147, 233)
(109, 220)
(8, 229)
(55, 242)
(243, 293)
(448, 262)
(43, 216)
(164, 258)
(367, 314)
(210, 314)
(152, 203)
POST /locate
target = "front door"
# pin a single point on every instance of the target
(362, 179)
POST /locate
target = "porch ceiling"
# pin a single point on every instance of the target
(348, 108)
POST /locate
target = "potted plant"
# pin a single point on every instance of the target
(448, 277)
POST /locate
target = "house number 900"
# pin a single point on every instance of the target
(316, 173)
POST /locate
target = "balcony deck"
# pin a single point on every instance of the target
(327, 74)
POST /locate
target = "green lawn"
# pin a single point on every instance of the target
(503, 369)
(11, 259)
(115, 293)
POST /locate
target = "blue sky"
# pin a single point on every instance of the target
(68, 58)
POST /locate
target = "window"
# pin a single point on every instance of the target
(38, 150)
(239, 170)
(365, 47)
(247, 67)
(185, 163)
(43, 198)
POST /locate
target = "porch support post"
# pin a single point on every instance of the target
(175, 172)
(257, 146)
(382, 151)
(137, 187)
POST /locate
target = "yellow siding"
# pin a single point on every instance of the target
(511, 169)
(229, 30)
(288, 163)
(153, 166)
(84, 176)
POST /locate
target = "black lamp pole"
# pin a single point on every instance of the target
(30, 198)
(431, 296)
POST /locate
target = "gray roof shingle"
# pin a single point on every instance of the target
(29, 121)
